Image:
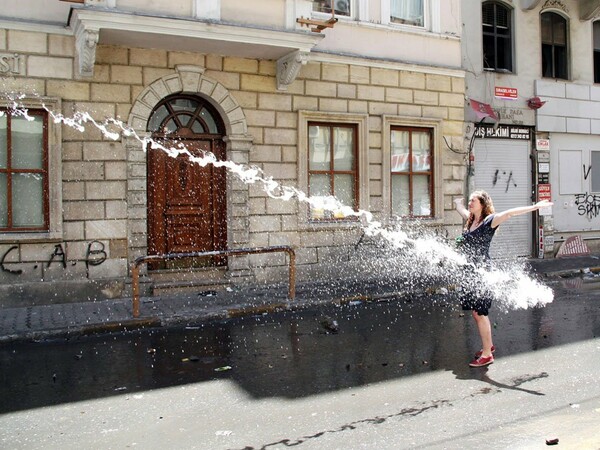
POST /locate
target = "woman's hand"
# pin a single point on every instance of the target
(458, 202)
(543, 204)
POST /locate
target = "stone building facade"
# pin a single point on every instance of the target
(265, 106)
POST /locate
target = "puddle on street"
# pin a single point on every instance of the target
(289, 354)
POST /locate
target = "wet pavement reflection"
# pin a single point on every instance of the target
(290, 354)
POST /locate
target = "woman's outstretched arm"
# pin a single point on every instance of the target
(503, 216)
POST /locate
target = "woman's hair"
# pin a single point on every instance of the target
(486, 204)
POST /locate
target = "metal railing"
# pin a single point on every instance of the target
(135, 266)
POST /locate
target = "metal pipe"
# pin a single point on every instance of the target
(135, 270)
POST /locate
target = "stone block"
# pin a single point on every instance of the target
(262, 223)
(257, 206)
(290, 223)
(412, 80)
(375, 171)
(3, 39)
(73, 190)
(82, 171)
(452, 128)
(456, 114)
(68, 90)
(245, 99)
(116, 209)
(335, 72)
(320, 88)
(458, 85)
(230, 80)
(581, 126)
(38, 252)
(266, 67)
(374, 93)
(276, 102)
(72, 151)
(281, 171)
(214, 62)
(333, 105)
(552, 88)
(439, 83)
(552, 124)
(103, 151)
(59, 45)
(258, 83)
(126, 74)
(151, 74)
(453, 100)
(379, 108)
(577, 91)
(50, 67)
(265, 153)
(105, 190)
(284, 238)
(306, 256)
(101, 74)
(278, 206)
(147, 57)
(375, 156)
(384, 77)
(106, 229)
(358, 106)
(115, 170)
(436, 112)
(280, 136)
(111, 268)
(258, 239)
(73, 231)
(244, 65)
(23, 85)
(398, 95)
(346, 91)
(27, 42)
(426, 98)
(316, 238)
(410, 110)
(257, 118)
(286, 120)
(305, 103)
(111, 54)
(185, 58)
(360, 75)
(83, 210)
(110, 93)
(289, 154)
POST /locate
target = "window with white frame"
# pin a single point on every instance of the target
(407, 12)
(23, 171)
(411, 164)
(333, 161)
(30, 170)
(341, 7)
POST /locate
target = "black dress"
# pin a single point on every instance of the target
(476, 246)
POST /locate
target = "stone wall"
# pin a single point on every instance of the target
(103, 181)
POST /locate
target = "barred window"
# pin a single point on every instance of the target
(497, 37)
(555, 57)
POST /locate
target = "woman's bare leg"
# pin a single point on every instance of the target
(485, 332)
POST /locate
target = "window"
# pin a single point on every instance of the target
(497, 37)
(342, 7)
(411, 165)
(597, 52)
(24, 184)
(595, 169)
(554, 46)
(407, 12)
(332, 165)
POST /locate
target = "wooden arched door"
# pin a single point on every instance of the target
(186, 201)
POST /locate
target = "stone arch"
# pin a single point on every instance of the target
(191, 80)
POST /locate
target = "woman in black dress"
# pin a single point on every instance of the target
(480, 228)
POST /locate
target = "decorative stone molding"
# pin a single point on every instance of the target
(288, 67)
(589, 9)
(556, 4)
(86, 42)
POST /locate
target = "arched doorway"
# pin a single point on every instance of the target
(186, 202)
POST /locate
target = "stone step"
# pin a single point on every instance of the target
(212, 274)
(202, 287)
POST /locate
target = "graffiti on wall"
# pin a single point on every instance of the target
(94, 256)
(500, 176)
(588, 205)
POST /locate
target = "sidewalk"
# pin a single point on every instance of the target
(64, 320)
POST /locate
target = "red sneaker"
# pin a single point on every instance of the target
(481, 361)
(480, 352)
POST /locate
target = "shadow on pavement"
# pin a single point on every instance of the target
(290, 354)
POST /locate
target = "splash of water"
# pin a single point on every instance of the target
(422, 259)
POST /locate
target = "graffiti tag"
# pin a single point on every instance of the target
(588, 205)
(498, 176)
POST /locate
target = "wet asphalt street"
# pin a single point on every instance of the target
(390, 374)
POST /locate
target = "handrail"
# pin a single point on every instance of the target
(135, 266)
